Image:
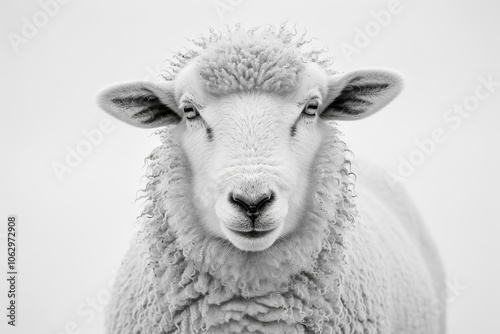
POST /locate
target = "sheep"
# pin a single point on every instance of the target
(252, 222)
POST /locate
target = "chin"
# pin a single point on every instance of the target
(252, 242)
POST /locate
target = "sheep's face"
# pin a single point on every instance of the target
(251, 152)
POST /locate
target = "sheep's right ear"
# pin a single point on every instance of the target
(142, 104)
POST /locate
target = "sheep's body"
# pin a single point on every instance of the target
(383, 274)
(318, 258)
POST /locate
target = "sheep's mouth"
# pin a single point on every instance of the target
(253, 233)
(252, 240)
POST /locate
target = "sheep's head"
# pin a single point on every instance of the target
(251, 116)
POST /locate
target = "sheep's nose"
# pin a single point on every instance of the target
(251, 207)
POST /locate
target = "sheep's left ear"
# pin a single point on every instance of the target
(358, 94)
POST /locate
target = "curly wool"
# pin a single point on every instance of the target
(185, 276)
(325, 277)
(268, 60)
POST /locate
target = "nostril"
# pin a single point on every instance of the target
(263, 200)
(252, 207)
(241, 202)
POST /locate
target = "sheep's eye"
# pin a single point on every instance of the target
(190, 111)
(311, 108)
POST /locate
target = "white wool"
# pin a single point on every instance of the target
(358, 261)
(359, 278)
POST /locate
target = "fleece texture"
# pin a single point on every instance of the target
(266, 60)
(352, 265)
(335, 274)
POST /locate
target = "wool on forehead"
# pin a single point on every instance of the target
(244, 62)
(269, 60)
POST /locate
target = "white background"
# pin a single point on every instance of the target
(73, 233)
